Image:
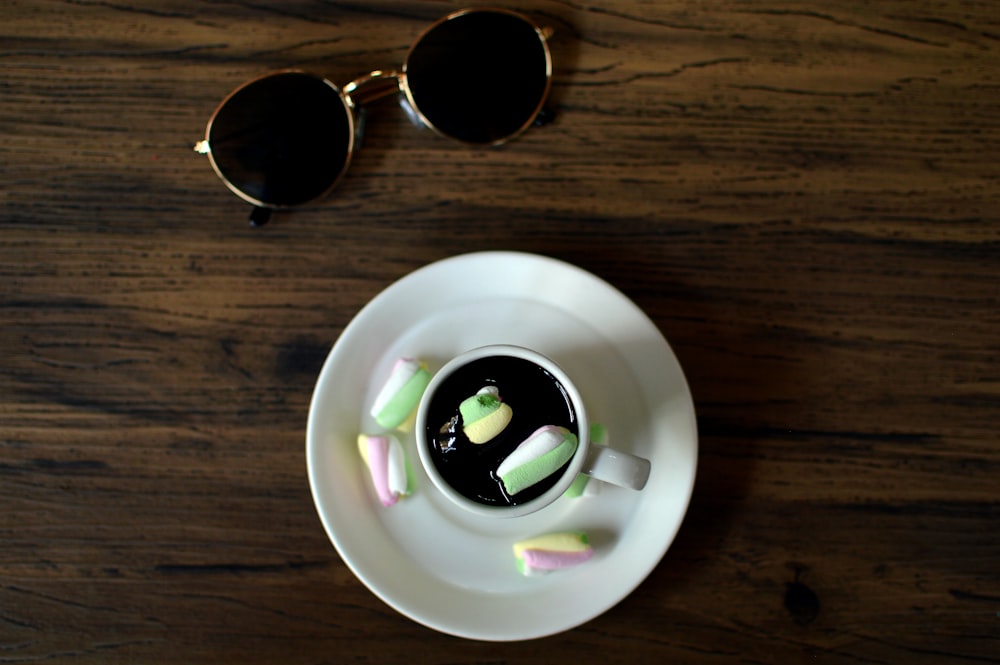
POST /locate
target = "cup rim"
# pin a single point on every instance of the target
(550, 495)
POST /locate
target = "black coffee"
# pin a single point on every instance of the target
(536, 399)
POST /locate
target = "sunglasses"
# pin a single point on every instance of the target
(479, 76)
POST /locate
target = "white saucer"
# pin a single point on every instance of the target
(439, 566)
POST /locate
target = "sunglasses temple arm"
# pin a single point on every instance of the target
(372, 87)
(259, 216)
(546, 115)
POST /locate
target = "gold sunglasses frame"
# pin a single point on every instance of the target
(369, 88)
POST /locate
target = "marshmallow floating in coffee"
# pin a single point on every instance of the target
(484, 415)
(553, 551)
(398, 398)
(539, 456)
(386, 462)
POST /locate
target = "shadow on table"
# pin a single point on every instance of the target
(735, 375)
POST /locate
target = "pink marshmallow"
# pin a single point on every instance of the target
(386, 462)
(378, 465)
(549, 560)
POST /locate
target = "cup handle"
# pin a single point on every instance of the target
(616, 467)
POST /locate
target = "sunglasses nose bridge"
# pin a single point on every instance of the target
(372, 87)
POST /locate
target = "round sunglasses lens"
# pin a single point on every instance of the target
(480, 77)
(283, 139)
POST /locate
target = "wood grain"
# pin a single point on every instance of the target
(803, 196)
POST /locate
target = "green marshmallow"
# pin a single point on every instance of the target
(529, 473)
(402, 404)
(478, 406)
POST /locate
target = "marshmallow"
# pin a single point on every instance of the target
(584, 485)
(399, 397)
(554, 551)
(386, 462)
(484, 416)
(538, 457)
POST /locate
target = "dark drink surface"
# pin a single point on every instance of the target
(535, 397)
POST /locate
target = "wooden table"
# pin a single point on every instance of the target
(802, 196)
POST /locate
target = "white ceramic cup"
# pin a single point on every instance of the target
(600, 462)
